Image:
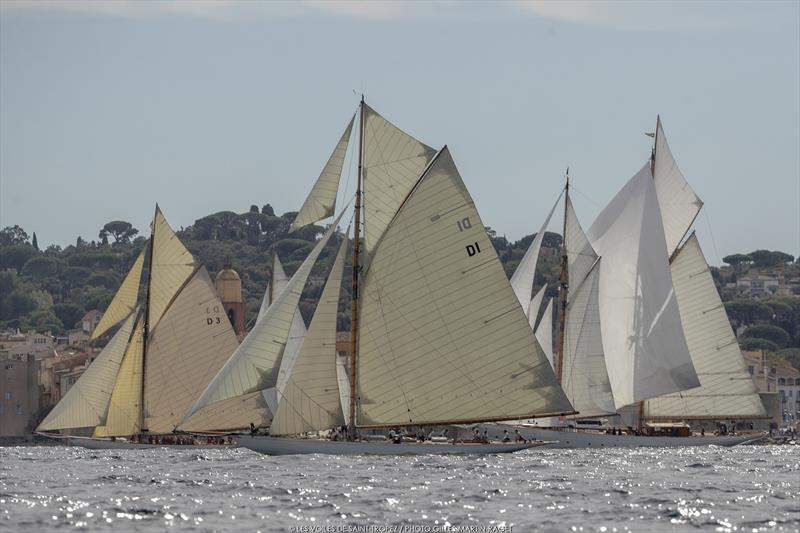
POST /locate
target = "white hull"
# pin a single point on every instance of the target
(594, 439)
(286, 446)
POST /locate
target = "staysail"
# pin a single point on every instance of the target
(544, 333)
(392, 163)
(321, 201)
(643, 340)
(124, 301)
(278, 283)
(255, 364)
(678, 202)
(726, 390)
(310, 399)
(522, 279)
(442, 335)
(86, 402)
(535, 306)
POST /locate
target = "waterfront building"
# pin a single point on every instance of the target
(19, 394)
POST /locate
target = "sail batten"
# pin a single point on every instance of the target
(726, 388)
(442, 336)
(321, 201)
(643, 339)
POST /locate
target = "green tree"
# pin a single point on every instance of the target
(40, 266)
(753, 344)
(34, 242)
(13, 235)
(792, 355)
(15, 256)
(766, 258)
(69, 313)
(769, 332)
(122, 231)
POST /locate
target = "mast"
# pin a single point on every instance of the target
(354, 304)
(146, 330)
(271, 285)
(564, 288)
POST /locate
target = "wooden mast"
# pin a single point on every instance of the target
(146, 330)
(351, 430)
(564, 288)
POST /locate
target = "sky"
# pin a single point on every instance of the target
(202, 106)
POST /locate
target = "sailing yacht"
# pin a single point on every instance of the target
(603, 347)
(438, 336)
(165, 352)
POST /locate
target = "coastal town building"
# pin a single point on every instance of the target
(778, 384)
(90, 320)
(19, 394)
(229, 289)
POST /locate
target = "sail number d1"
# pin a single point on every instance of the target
(212, 319)
(473, 249)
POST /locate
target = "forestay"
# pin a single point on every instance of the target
(171, 266)
(185, 351)
(254, 365)
(310, 399)
(86, 403)
(727, 390)
(392, 163)
(524, 274)
(124, 300)
(679, 203)
(443, 338)
(321, 201)
(643, 339)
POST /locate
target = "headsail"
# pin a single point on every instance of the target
(278, 283)
(254, 365)
(185, 351)
(310, 400)
(535, 306)
(727, 390)
(392, 163)
(643, 339)
(522, 279)
(544, 333)
(442, 338)
(125, 407)
(86, 402)
(171, 265)
(321, 201)
(679, 203)
(580, 254)
(124, 300)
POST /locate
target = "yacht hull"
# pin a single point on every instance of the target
(287, 446)
(594, 439)
(108, 444)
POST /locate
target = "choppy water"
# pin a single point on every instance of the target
(750, 488)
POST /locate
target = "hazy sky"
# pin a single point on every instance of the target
(108, 107)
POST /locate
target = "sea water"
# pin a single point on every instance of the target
(59, 488)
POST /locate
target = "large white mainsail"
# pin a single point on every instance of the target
(523, 277)
(310, 399)
(727, 390)
(392, 163)
(321, 201)
(86, 402)
(442, 338)
(255, 364)
(643, 340)
(124, 301)
(185, 351)
(678, 202)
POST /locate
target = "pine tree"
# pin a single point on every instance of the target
(34, 242)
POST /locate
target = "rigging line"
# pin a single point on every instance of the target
(586, 196)
(713, 241)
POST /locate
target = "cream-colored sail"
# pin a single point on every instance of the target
(544, 332)
(321, 201)
(86, 402)
(255, 364)
(343, 378)
(124, 409)
(279, 281)
(171, 264)
(522, 279)
(678, 202)
(310, 399)
(392, 163)
(535, 306)
(443, 337)
(584, 375)
(297, 334)
(726, 389)
(185, 351)
(643, 340)
(124, 300)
